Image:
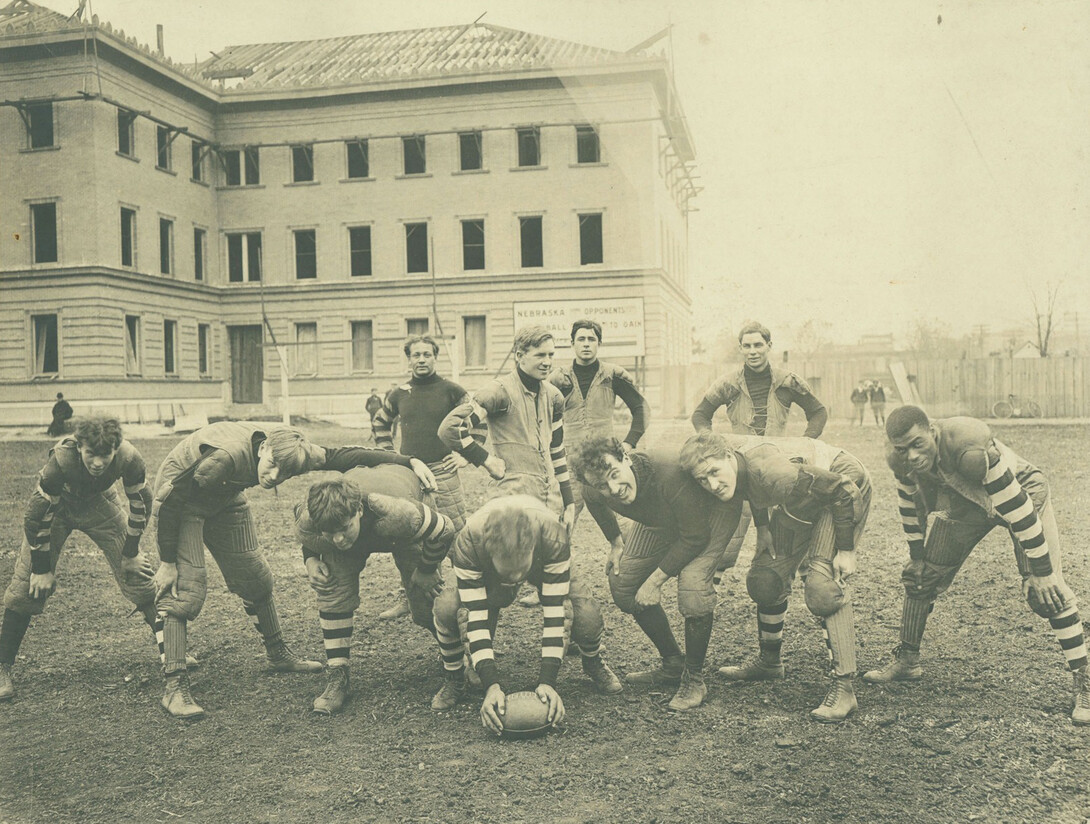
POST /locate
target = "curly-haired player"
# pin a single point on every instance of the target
(954, 472)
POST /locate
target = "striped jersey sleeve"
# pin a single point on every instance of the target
(400, 518)
(555, 587)
(384, 423)
(911, 522)
(464, 430)
(38, 517)
(1016, 509)
(557, 453)
(474, 597)
(134, 478)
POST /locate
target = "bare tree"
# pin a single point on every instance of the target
(812, 337)
(1044, 310)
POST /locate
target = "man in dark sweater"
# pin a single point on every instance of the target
(678, 530)
(62, 413)
(421, 405)
(758, 399)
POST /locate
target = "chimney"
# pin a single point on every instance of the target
(159, 38)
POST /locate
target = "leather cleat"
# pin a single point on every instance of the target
(905, 666)
(667, 674)
(839, 703)
(755, 669)
(605, 681)
(1081, 714)
(7, 686)
(530, 599)
(690, 693)
(396, 611)
(282, 659)
(452, 691)
(336, 694)
(177, 700)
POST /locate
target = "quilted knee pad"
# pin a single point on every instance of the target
(824, 596)
(765, 586)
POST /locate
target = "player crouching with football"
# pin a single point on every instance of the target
(508, 541)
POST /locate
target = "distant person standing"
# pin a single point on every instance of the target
(859, 403)
(877, 395)
(386, 400)
(373, 405)
(62, 412)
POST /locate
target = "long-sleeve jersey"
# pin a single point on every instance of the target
(212, 466)
(794, 474)
(525, 421)
(668, 499)
(389, 520)
(420, 404)
(747, 396)
(65, 477)
(475, 572)
(980, 469)
(589, 393)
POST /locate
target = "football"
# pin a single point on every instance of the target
(526, 715)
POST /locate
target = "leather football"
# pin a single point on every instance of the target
(526, 715)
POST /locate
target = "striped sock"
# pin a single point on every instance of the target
(174, 641)
(266, 620)
(1069, 632)
(770, 631)
(336, 636)
(157, 631)
(913, 620)
(451, 648)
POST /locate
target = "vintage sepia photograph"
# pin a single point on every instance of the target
(549, 411)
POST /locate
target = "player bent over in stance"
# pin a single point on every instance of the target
(508, 541)
(969, 482)
(680, 531)
(199, 495)
(343, 523)
(810, 502)
(75, 490)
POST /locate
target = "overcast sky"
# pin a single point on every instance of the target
(863, 163)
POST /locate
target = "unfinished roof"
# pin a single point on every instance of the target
(401, 55)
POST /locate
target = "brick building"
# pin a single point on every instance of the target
(167, 222)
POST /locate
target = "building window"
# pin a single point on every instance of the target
(204, 346)
(306, 348)
(587, 148)
(359, 160)
(128, 237)
(46, 349)
(132, 344)
(196, 154)
(363, 346)
(590, 238)
(170, 347)
(242, 166)
(476, 353)
(244, 257)
(166, 246)
(302, 164)
(43, 231)
(416, 326)
(415, 155)
(470, 155)
(472, 244)
(529, 140)
(530, 236)
(162, 148)
(39, 124)
(416, 247)
(200, 237)
(126, 140)
(306, 254)
(359, 250)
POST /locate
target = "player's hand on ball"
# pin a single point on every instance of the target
(495, 466)
(913, 573)
(551, 697)
(166, 580)
(844, 566)
(431, 583)
(42, 586)
(421, 470)
(613, 563)
(136, 569)
(493, 708)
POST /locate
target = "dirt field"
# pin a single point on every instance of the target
(984, 737)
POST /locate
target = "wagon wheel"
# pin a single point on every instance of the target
(1032, 409)
(1002, 409)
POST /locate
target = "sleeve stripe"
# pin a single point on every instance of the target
(557, 567)
(1015, 508)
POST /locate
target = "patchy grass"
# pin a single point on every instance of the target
(984, 737)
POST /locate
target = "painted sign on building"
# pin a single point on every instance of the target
(621, 319)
